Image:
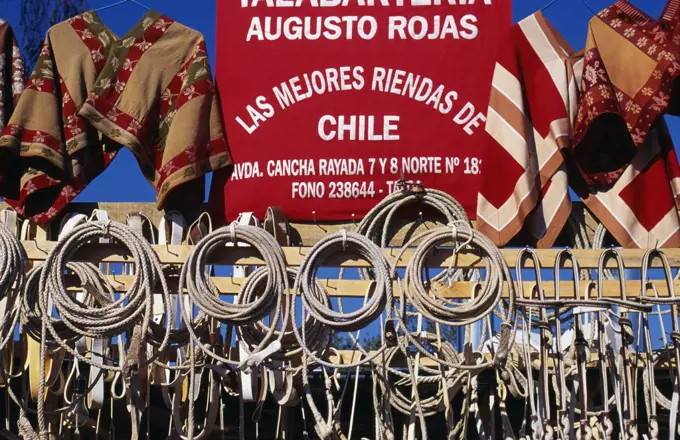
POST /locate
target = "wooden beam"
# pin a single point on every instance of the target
(246, 256)
(459, 290)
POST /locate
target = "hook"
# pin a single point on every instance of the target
(167, 249)
(605, 256)
(35, 241)
(562, 257)
(668, 275)
(524, 255)
(316, 223)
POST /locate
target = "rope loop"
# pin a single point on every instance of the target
(260, 296)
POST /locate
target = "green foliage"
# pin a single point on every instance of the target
(37, 16)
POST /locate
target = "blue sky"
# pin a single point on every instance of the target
(123, 182)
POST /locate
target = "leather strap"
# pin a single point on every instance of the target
(276, 223)
(53, 362)
(142, 226)
(9, 218)
(34, 232)
(30, 231)
(282, 387)
(98, 347)
(248, 382)
(170, 231)
(136, 222)
(68, 223)
(249, 388)
(212, 402)
(199, 229)
(673, 427)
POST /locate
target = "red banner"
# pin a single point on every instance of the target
(327, 103)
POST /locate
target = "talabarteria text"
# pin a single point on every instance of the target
(336, 3)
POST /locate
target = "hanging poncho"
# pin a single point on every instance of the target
(92, 92)
(12, 75)
(530, 120)
(641, 209)
(631, 66)
(533, 99)
(12, 80)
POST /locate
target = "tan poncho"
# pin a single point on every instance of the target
(92, 92)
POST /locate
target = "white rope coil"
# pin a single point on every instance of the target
(90, 279)
(317, 334)
(12, 280)
(378, 222)
(247, 308)
(108, 317)
(380, 296)
(488, 296)
(423, 295)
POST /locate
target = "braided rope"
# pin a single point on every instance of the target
(247, 308)
(106, 317)
(377, 224)
(317, 334)
(12, 280)
(430, 305)
(380, 298)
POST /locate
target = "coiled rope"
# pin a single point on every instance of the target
(434, 307)
(317, 334)
(246, 308)
(108, 316)
(243, 312)
(379, 299)
(378, 223)
(12, 280)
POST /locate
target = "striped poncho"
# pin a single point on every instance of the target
(535, 102)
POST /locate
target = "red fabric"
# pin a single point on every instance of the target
(247, 72)
(613, 123)
(528, 123)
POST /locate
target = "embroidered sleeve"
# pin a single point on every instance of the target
(191, 133)
(47, 143)
(36, 126)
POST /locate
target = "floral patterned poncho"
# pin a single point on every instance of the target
(92, 92)
(631, 65)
